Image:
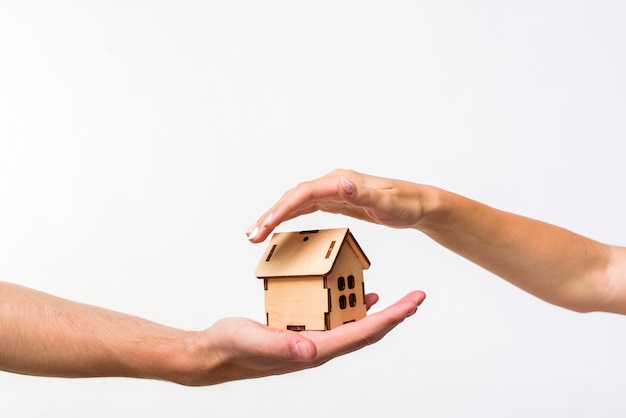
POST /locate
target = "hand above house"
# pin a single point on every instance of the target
(45, 335)
(552, 263)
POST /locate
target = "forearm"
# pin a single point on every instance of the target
(552, 263)
(41, 334)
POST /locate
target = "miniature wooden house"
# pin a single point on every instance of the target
(313, 279)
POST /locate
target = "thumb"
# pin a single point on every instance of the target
(361, 196)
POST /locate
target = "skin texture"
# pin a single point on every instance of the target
(41, 334)
(554, 264)
(44, 335)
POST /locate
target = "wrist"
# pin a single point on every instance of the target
(434, 204)
(169, 354)
(191, 362)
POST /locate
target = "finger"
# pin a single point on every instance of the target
(370, 300)
(343, 191)
(261, 229)
(356, 335)
(301, 200)
(392, 315)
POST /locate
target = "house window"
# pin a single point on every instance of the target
(351, 282)
(352, 299)
(342, 302)
(341, 283)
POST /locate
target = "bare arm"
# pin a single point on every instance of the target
(549, 262)
(41, 334)
(552, 263)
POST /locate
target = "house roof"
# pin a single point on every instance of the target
(307, 253)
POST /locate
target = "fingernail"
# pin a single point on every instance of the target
(254, 232)
(302, 351)
(268, 219)
(347, 185)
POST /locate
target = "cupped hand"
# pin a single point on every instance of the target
(242, 349)
(390, 202)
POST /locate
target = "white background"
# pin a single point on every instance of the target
(139, 140)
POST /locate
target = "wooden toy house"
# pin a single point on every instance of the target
(313, 279)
